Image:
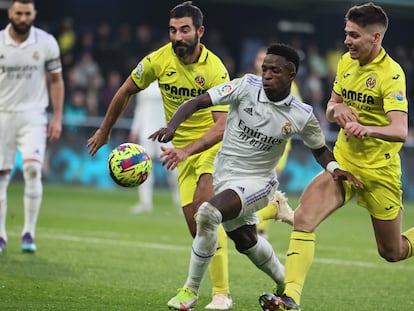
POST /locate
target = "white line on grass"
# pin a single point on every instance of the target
(119, 242)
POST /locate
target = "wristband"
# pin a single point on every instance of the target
(333, 165)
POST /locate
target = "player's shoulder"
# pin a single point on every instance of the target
(43, 34)
(301, 106)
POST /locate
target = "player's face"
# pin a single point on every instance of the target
(360, 42)
(184, 36)
(277, 76)
(21, 16)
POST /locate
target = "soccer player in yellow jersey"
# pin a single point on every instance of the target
(184, 68)
(368, 102)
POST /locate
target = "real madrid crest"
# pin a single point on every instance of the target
(287, 128)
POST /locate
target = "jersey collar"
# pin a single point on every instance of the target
(9, 40)
(284, 102)
(380, 56)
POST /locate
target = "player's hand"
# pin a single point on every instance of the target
(97, 141)
(163, 135)
(172, 156)
(54, 130)
(339, 174)
(356, 129)
(344, 114)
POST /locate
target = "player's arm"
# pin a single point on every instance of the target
(117, 106)
(396, 130)
(166, 134)
(57, 90)
(339, 113)
(325, 158)
(172, 156)
(211, 137)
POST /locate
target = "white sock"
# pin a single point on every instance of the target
(264, 257)
(4, 182)
(204, 244)
(33, 191)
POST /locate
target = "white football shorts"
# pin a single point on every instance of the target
(254, 193)
(23, 131)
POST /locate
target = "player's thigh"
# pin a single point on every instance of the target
(382, 193)
(254, 194)
(320, 198)
(31, 136)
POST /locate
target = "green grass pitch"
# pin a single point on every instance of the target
(93, 254)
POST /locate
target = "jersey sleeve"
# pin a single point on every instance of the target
(394, 90)
(312, 134)
(339, 76)
(145, 72)
(53, 62)
(225, 93)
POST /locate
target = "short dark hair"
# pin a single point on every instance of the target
(367, 14)
(286, 51)
(187, 9)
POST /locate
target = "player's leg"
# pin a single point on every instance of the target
(384, 203)
(218, 268)
(4, 182)
(31, 140)
(145, 190)
(33, 190)
(7, 157)
(202, 251)
(318, 201)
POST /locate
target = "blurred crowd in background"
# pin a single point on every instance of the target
(97, 61)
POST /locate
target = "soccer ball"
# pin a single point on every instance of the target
(129, 165)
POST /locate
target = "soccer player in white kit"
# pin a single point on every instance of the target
(263, 115)
(149, 116)
(28, 58)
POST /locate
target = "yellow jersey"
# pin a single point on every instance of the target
(178, 83)
(372, 91)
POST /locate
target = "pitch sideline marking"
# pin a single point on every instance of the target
(171, 247)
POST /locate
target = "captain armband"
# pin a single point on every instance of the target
(332, 166)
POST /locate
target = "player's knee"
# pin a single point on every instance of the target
(32, 174)
(32, 170)
(389, 255)
(208, 217)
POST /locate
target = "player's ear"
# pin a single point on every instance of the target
(200, 31)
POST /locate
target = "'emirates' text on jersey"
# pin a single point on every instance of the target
(257, 129)
(178, 83)
(372, 90)
(23, 68)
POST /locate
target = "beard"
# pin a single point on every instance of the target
(183, 49)
(22, 28)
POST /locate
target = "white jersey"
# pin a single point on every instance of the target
(258, 129)
(23, 67)
(149, 111)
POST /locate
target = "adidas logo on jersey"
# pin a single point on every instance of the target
(249, 111)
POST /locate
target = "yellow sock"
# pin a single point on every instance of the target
(267, 213)
(299, 258)
(219, 268)
(409, 235)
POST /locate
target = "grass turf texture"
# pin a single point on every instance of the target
(93, 254)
